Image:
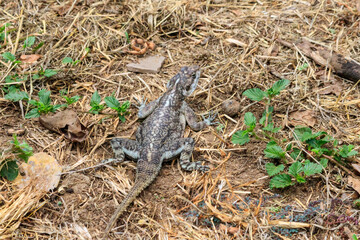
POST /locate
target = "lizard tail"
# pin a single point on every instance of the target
(138, 187)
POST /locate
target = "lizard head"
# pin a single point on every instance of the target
(186, 80)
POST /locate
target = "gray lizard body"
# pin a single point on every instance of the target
(160, 136)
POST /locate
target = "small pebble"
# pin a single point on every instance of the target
(231, 107)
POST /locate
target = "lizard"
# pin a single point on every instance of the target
(160, 138)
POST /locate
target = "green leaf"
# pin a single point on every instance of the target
(240, 137)
(278, 87)
(281, 181)
(8, 56)
(33, 113)
(9, 170)
(303, 67)
(50, 72)
(95, 99)
(254, 94)
(23, 150)
(347, 151)
(122, 118)
(38, 46)
(300, 179)
(324, 162)
(270, 127)
(300, 131)
(67, 60)
(36, 76)
(57, 106)
(112, 102)
(29, 42)
(16, 96)
(296, 154)
(250, 120)
(274, 151)
(272, 170)
(312, 168)
(295, 169)
(44, 96)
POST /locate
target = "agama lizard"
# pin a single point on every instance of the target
(160, 136)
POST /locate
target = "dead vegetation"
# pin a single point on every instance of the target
(235, 43)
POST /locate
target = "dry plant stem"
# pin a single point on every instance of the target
(339, 165)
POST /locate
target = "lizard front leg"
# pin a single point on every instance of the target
(191, 118)
(146, 109)
(184, 147)
(122, 147)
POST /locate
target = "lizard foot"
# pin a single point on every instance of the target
(210, 119)
(140, 103)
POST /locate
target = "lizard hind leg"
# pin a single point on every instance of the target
(122, 147)
(184, 147)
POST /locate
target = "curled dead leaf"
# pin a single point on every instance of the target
(67, 123)
(28, 60)
(356, 167)
(306, 118)
(41, 170)
(354, 183)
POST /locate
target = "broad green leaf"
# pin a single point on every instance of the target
(281, 181)
(324, 162)
(8, 56)
(95, 99)
(279, 86)
(57, 106)
(112, 102)
(272, 150)
(16, 96)
(312, 168)
(9, 170)
(254, 94)
(36, 76)
(240, 137)
(300, 131)
(33, 113)
(50, 72)
(122, 118)
(29, 42)
(44, 96)
(67, 60)
(125, 106)
(250, 120)
(272, 170)
(295, 169)
(347, 151)
(296, 154)
(270, 127)
(23, 150)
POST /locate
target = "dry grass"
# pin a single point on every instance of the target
(185, 32)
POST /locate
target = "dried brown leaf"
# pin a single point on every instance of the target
(306, 118)
(29, 59)
(354, 183)
(67, 123)
(356, 167)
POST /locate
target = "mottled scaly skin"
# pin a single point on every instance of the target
(160, 136)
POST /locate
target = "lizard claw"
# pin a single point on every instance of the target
(140, 103)
(211, 117)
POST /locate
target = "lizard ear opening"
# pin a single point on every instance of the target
(193, 85)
